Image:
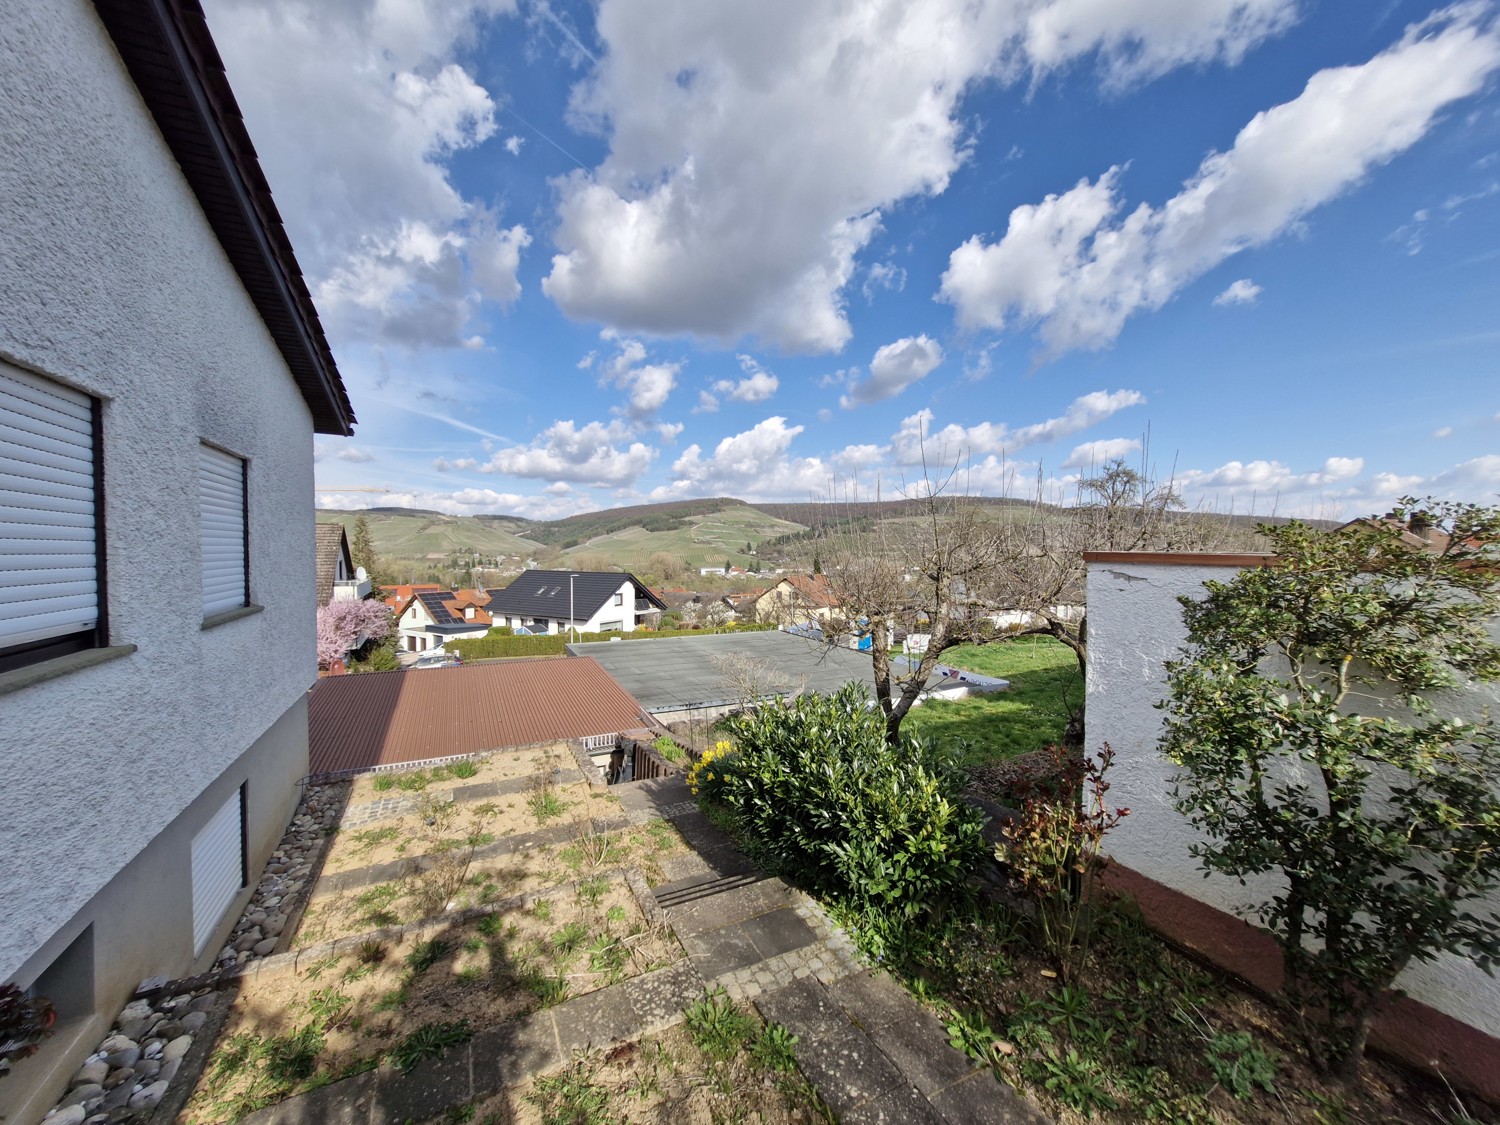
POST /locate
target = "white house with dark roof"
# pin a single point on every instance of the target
(559, 601)
(162, 374)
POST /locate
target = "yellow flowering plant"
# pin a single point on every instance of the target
(711, 770)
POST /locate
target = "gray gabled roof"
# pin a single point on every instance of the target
(546, 593)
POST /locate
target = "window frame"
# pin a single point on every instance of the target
(28, 653)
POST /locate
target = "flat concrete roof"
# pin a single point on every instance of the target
(676, 673)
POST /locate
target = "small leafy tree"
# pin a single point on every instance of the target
(1310, 716)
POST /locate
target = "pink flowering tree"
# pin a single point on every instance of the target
(344, 626)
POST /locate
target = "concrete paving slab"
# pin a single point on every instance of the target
(778, 932)
(653, 796)
(875, 1000)
(593, 1021)
(899, 1107)
(716, 862)
(696, 905)
(342, 1103)
(430, 1088)
(717, 953)
(847, 1069)
(982, 1100)
(660, 997)
(919, 1047)
(513, 1052)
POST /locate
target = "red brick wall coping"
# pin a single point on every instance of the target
(1407, 1030)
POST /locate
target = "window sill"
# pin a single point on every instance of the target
(231, 615)
(18, 678)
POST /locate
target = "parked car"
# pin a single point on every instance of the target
(438, 660)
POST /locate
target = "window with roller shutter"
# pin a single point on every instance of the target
(221, 499)
(51, 531)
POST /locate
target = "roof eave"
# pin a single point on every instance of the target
(166, 46)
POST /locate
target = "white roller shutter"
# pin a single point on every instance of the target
(218, 868)
(49, 582)
(221, 498)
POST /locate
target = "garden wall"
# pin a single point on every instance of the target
(1135, 625)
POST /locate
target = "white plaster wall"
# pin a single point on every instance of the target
(110, 279)
(1135, 625)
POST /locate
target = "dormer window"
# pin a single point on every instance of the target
(468, 613)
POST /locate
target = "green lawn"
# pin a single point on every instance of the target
(1045, 687)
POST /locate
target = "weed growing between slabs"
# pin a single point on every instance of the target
(721, 1065)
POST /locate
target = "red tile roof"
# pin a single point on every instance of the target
(384, 718)
(398, 596)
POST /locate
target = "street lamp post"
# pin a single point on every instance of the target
(572, 621)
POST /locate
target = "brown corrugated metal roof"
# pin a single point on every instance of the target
(384, 718)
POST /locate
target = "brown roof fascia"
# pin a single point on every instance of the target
(166, 46)
(1177, 558)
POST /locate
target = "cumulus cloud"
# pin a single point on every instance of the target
(1092, 454)
(355, 454)
(757, 385)
(755, 463)
(1075, 269)
(669, 432)
(1140, 39)
(646, 385)
(595, 453)
(1241, 292)
(458, 465)
(916, 440)
(895, 367)
(513, 144)
(1442, 432)
(391, 248)
(693, 223)
(707, 404)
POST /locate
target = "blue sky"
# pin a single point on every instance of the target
(572, 256)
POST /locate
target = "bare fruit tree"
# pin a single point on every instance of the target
(950, 566)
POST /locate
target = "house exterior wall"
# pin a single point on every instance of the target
(113, 282)
(1135, 624)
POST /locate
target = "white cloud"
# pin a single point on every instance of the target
(669, 432)
(751, 464)
(757, 385)
(1146, 38)
(1442, 432)
(458, 465)
(754, 148)
(916, 440)
(1093, 454)
(707, 404)
(646, 385)
(465, 502)
(513, 144)
(389, 245)
(883, 276)
(1241, 292)
(590, 454)
(355, 454)
(895, 367)
(1070, 266)
(558, 488)
(856, 458)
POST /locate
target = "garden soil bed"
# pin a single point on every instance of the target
(468, 909)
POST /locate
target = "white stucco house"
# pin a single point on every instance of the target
(589, 601)
(162, 374)
(429, 619)
(1451, 1014)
